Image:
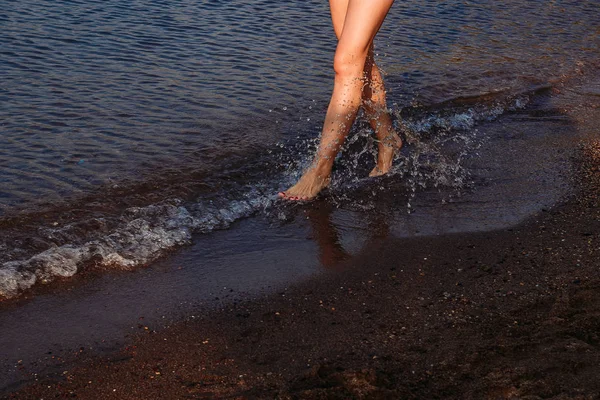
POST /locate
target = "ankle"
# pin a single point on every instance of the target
(321, 168)
(391, 141)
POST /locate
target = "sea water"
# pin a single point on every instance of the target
(127, 128)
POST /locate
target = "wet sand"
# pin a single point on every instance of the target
(506, 314)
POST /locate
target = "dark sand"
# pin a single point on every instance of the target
(505, 314)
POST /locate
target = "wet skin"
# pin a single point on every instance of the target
(358, 82)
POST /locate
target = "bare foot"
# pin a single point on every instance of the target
(307, 188)
(385, 154)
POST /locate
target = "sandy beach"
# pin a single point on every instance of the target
(497, 315)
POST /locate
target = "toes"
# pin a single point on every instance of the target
(284, 196)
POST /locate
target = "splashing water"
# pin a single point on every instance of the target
(436, 145)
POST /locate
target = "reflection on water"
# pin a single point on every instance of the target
(327, 234)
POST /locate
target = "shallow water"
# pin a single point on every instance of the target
(134, 126)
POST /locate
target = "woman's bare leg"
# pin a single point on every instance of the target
(374, 104)
(373, 99)
(362, 20)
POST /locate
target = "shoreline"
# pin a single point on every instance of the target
(513, 313)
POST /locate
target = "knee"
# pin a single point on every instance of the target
(348, 65)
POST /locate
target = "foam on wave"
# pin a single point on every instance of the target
(147, 233)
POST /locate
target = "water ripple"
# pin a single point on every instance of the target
(94, 92)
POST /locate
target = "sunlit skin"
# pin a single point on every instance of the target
(358, 82)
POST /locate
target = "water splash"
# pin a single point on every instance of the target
(436, 145)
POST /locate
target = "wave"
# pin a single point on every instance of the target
(146, 234)
(140, 235)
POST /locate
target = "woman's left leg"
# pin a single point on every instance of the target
(376, 111)
(362, 21)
